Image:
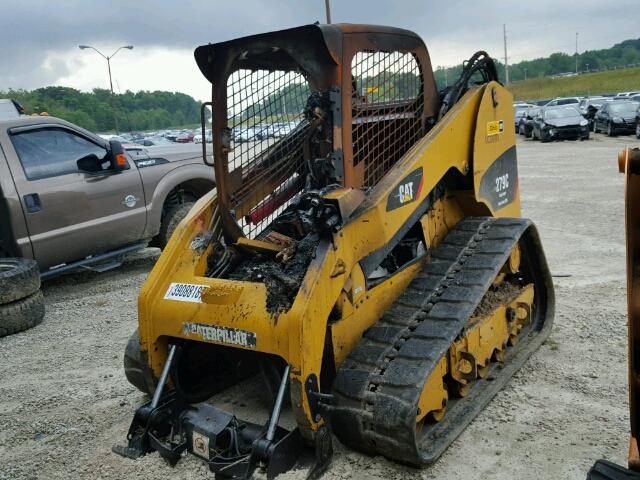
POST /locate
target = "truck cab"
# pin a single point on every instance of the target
(64, 199)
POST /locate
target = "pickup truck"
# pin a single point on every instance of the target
(70, 199)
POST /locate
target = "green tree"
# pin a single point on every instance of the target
(94, 110)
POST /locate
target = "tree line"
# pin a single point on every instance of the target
(93, 110)
(620, 55)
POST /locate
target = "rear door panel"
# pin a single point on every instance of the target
(14, 237)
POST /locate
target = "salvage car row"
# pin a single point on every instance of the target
(575, 118)
(239, 134)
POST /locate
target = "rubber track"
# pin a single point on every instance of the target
(377, 387)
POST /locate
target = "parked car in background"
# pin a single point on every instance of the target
(635, 98)
(197, 138)
(154, 141)
(525, 127)
(284, 128)
(618, 116)
(72, 200)
(560, 123)
(590, 105)
(263, 132)
(172, 135)
(562, 101)
(597, 102)
(244, 134)
(185, 137)
(519, 111)
(117, 138)
(626, 95)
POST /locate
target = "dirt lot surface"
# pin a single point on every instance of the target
(64, 400)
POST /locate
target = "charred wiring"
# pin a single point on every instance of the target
(317, 148)
(298, 228)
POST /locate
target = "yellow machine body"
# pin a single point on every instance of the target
(467, 138)
(363, 251)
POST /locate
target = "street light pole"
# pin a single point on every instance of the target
(108, 59)
(327, 8)
(576, 53)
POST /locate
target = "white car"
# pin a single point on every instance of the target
(563, 101)
(625, 95)
(244, 134)
(197, 138)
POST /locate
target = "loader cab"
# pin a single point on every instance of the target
(310, 107)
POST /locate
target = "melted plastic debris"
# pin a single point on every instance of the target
(282, 280)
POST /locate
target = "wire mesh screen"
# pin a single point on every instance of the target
(387, 105)
(265, 165)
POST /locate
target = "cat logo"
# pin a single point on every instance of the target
(407, 191)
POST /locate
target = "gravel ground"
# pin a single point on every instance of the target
(64, 400)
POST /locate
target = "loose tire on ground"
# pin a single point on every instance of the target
(171, 220)
(133, 366)
(19, 278)
(21, 314)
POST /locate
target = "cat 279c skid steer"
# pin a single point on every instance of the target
(363, 251)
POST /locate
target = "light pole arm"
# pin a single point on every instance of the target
(97, 51)
(114, 53)
(128, 47)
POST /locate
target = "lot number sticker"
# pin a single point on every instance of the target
(185, 292)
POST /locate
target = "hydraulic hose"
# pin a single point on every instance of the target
(480, 63)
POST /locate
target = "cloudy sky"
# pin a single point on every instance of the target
(40, 38)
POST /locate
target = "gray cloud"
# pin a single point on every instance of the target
(37, 28)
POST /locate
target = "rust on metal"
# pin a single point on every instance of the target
(343, 100)
(630, 160)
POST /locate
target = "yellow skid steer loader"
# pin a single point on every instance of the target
(363, 251)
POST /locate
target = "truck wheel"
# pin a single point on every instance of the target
(171, 220)
(22, 314)
(19, 278)
(134, 368)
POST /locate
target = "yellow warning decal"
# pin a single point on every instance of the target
(495, 127)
